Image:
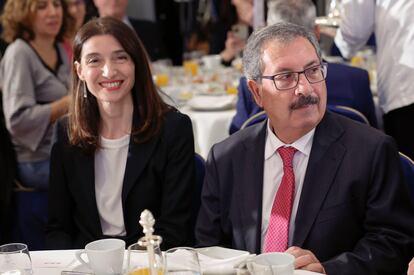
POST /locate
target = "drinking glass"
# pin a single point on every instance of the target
(138, 261)
(15, 259)
(182, 261)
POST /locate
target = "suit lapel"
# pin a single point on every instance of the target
(86, 181)
(251, 185)
(325, 158)
(138, 156)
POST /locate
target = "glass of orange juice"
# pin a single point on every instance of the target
(138, 261)
(162, 79)
(191, 67)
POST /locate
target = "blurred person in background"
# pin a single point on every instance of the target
(393, 25)
(120, 150)
(148, 32)
(77, 10)
(34, 78)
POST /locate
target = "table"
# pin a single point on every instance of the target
(53, 262)
(209, 127)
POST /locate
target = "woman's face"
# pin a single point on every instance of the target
(77, 9)
(107, 68)
(48, 17)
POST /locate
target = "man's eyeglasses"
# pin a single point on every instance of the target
(289, 80)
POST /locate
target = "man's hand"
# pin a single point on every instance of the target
(305, 259)
(411, 268)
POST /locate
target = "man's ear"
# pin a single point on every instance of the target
(256, 89)
(78, 68)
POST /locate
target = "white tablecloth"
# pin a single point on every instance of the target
(53, 262)
(209, 127)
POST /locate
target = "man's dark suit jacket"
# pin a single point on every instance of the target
(150, 35)
(159, 176)
(354, 212)
(348, 86)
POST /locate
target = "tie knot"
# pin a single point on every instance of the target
(287, 153)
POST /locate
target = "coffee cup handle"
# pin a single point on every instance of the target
(78, 255)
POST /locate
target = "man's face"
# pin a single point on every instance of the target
(113, 8)
(296, 111)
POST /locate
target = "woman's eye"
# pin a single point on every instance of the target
(121, 58)
(92, 61)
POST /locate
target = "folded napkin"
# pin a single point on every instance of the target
(222, 265)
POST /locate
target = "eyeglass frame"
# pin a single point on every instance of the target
(322, 65)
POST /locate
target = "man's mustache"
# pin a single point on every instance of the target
(303, 101)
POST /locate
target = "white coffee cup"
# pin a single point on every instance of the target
(105, 257)
(274, 263)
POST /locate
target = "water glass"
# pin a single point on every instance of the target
(138, 262)
(182, 261)
(15, 259)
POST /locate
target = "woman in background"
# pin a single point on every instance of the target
(77, 10)
(34, 78)
(121, 150)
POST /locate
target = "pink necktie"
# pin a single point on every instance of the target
(277, 235)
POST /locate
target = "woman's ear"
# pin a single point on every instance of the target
(78, 68)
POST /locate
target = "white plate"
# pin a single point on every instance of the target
(212, 103)
(218, 252)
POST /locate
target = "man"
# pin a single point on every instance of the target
(147, 31)
(393, 24)
(318, 185)
(347, 85)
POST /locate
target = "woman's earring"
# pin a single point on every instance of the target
(85, 93)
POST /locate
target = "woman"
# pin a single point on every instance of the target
(77, 10)
(34, 78)
(121, 150)
(34, 75)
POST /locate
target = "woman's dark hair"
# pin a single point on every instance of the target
(84, 118)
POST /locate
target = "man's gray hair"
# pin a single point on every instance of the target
(299, 12)
(282, 32)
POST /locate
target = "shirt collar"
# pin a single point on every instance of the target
(303, 144)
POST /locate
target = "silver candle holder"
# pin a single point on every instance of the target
(149, 241)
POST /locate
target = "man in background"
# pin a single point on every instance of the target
(148, 32)
(393, 25)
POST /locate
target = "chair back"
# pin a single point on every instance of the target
(408, 168)
(256, 118)
(349, 112)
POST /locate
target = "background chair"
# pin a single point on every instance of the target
(408, 168)
(346, 86)
(348, 112)
(260, 116)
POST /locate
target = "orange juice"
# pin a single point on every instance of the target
(161, 79)
(191, 67)
(144, 271)
(231, 90)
